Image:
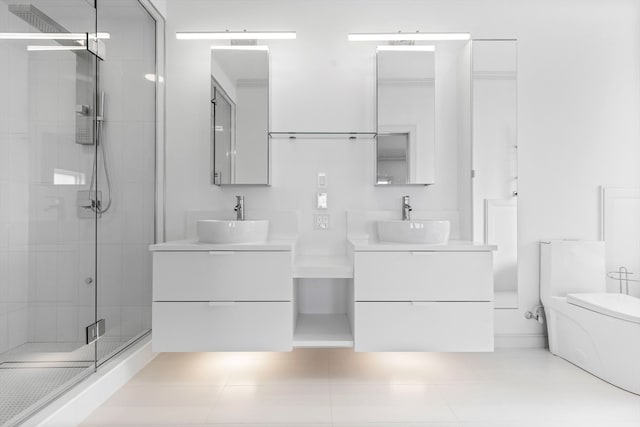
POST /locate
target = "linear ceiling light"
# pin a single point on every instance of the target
(256, 47)
(43, 36)
(414, 48)
(408, 36)
(238, 35)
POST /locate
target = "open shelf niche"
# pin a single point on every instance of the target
(323, 302)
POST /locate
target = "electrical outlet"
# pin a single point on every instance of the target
(321, 222)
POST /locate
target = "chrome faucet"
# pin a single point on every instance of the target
(406, 208)
(239, 208)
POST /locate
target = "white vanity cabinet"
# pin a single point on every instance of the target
(222, 298)
(418, 299)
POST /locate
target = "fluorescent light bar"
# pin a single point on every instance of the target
(238, 35)
(420, 48)
(408, 36)
(33, 48)
(253, 47)
(43, 36)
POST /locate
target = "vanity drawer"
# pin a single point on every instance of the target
(423, 276)
(222, 326)
(222, 276)
(423, 326)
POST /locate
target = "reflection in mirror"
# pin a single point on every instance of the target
(392, 152)
(495, 160)
(240, 115)
(406, 115)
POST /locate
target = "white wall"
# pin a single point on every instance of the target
(578, 109)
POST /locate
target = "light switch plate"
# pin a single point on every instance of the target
(322, 180)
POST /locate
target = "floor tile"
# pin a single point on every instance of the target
(164, 395)
(281, 371)
(542, 403)
(183, 369)
(388, 403)
(434, 424)
(274, 404)
(146, 415)
(341, 388)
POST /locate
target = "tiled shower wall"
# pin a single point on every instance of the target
(60, 244)
(46, 250)
(14, 195)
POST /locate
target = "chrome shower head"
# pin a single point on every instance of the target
(36, 18)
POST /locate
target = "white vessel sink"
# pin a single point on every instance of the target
(427, 231)
(229, 231)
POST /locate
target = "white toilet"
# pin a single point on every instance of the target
(595, 330)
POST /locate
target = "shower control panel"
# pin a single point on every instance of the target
(86, 203)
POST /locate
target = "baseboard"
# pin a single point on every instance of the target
(520, 341)
(74, 406)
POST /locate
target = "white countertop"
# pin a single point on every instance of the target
(194, 245)
(369, 245)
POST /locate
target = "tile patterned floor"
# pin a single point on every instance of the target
(340, 388)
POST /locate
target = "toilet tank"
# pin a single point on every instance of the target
(571, 266)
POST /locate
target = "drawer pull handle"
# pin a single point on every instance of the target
(422, 303)
(421, 253)
(220, 303)
(221, 252)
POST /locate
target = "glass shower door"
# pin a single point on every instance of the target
(126, 173)
(47, 226)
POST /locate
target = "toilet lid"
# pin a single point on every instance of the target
(621, 306)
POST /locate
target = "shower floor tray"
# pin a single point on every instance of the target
(27, 385)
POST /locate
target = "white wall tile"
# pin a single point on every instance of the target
(44, 320)
(4, 329)
(109, 275)
(66, 323)
(132, 321)
(133, 262)
(46, 277)
(133, 213)
(4, 275)
(17, 325)
(67, 277)
(18, 277)
(113, 319)
(86, 270)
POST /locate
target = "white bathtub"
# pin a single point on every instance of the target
(600, 333)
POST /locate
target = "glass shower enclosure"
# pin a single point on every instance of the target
(77, 191)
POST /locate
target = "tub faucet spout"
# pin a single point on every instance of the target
(406, 208)
(239, 208)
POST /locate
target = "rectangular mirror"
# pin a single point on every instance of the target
(240, 115)
(405, 146)
(495, 163)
